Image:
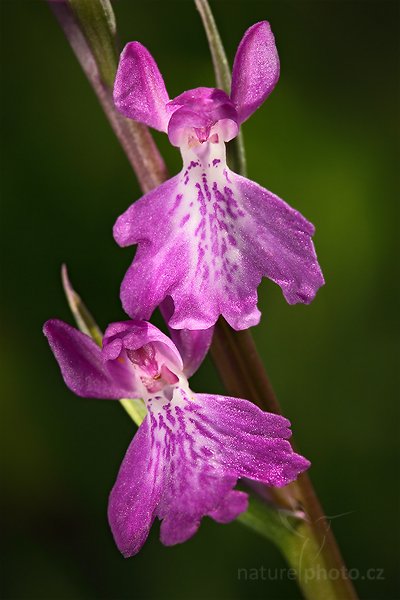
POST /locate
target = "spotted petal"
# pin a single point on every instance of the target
(248, 441)
(184, 463)
(280, 245)
(206, 238)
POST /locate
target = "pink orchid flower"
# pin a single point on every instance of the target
(207, 236)
(187, 455)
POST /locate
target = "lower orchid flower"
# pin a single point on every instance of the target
(207, 236)
(187, 455)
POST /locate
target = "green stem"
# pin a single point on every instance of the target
(218, 55)
(244, 375)
(135, 408)
(135, 138)
(99, 28)
(300, 549)
(234, 353)
(235, 148)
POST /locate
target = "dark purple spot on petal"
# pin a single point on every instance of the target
(184, 220)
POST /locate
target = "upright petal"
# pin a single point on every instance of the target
(185, 461)
(139, 89)
(255, 69)
(82, 366)
(193, 345)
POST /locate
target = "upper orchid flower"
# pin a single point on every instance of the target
(188, 453)
(207, 236)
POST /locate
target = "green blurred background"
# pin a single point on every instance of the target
(325, 141)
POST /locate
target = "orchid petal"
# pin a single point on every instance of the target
(205, 97)
(139, 89)
(138, 223)
(280, 246)
(184, 463)
(193, 345)
(234, 504)
(133, 335)
(206, 238)
(199, 110)
(181, 254)
(136, 493)
(82, 366)
(158, 265)
(255, 69)
(254, 442)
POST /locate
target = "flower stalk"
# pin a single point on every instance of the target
(301, 551)
(236, 152)
(86, 323)
(243, 374)
(135, 139)
(307, 543)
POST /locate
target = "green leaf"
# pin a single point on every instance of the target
(135, 409)
(97, 22)
(297, 542)
(83, 318)
(134, 406)
(235, 148)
